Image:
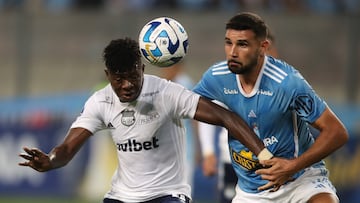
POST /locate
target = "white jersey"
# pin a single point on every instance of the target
(149, 137)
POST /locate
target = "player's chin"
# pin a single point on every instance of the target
(236, 69)
(127, 97)
(124, 100)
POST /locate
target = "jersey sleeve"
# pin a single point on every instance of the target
(207, 138)
(303, 99)
(206, 86)
(90, 117)
(181, 101)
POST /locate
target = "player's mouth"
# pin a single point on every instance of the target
(232, 63)
(127, 97)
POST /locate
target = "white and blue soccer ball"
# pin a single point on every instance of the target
(163, 42)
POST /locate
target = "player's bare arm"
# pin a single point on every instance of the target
(233, 123)
(332, 136)
(59, 156)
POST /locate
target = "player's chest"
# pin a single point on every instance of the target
(134, 122)
(263, 107)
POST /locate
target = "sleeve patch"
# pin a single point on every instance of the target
(304, 105)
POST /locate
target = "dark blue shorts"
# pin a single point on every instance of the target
(164, 199)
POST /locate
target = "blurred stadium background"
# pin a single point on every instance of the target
(50, 62)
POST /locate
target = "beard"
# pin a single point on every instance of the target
(238, 67)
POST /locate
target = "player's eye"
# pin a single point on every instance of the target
(228, 42)
(242, 44)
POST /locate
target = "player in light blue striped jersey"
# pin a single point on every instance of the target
(279, 105)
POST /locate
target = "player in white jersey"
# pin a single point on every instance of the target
(279, 105)
(144, 114)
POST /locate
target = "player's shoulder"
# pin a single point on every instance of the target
(219, 68)
(153, 80)
(218, 71)
(104, 95)
(151, 77)
(280, 71)
(153, 83)
(157, 86)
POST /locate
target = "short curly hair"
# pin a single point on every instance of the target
(122, 55)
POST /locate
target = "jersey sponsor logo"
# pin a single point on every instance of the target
(148, 118)
(132, 145)
(245, 160)
(270, 140)
(127, 117)
(149, 94)
(229, 91)
(265, 92)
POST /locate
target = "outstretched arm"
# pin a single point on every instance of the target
(211, 113)
(60, 155)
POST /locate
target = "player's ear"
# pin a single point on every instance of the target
(107, 72)
(264, 46)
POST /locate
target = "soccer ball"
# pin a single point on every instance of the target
(163, 42)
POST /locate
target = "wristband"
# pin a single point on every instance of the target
(52, 156)
(265, 154)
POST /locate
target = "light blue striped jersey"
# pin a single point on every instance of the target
(278, 109)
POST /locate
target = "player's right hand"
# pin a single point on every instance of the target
(277, 171)
(36, 159)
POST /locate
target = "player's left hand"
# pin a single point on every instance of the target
(277, 171)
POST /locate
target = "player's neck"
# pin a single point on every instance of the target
(248, 80)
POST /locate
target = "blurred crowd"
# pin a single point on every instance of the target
(318, 6)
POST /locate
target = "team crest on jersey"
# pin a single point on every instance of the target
(245, 160)
(127, 117)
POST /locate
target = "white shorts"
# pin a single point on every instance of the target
(312, 182)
